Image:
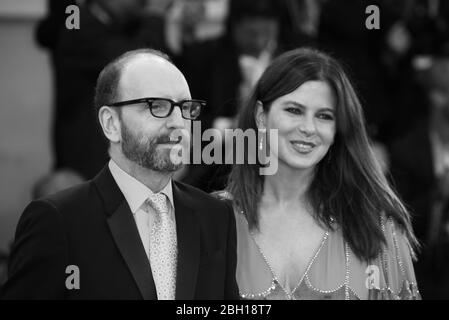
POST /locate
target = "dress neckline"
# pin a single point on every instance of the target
(273, 274)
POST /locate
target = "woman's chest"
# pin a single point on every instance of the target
(289, 254)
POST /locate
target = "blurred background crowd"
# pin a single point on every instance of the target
(401, 72)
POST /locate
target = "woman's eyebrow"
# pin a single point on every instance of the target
(296, 104)
(327, 109)
(300, 105)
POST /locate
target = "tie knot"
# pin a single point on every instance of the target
(158, 201)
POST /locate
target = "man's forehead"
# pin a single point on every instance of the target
(150, 75)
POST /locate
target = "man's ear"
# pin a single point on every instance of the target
(110, 123)
(260, 116)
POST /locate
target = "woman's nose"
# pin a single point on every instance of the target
(307, 126)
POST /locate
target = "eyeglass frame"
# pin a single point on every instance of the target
(173, 104)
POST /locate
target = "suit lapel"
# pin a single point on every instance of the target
(188, 236)
(125, 233)
(126, 236)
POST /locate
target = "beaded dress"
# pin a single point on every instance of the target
(334, 272)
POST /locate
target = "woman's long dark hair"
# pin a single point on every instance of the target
(348, 185)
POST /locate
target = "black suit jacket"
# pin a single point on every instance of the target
(91, 226)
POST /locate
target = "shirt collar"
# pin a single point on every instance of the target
(134, 191)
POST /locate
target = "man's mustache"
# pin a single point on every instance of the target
(166, 139)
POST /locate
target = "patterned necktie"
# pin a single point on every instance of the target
(163, 247)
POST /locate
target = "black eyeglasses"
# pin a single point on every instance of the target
(162, 108)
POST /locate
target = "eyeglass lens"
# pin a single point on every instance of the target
(189, 109)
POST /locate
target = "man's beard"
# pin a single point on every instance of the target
(144, 151)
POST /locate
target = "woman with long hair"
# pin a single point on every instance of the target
(326, 225)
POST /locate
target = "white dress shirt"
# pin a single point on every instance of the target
(136, 193)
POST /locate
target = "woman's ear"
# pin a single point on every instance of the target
(110, 123)
(260, 115)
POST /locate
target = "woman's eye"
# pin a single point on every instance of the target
(294, 110)
(326, 116)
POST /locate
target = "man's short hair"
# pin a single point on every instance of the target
(106, 90)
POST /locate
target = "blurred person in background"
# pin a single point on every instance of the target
(108, 28)
(224, 70)
(192, 21)
(55, 182)
(48, 29)
(300, 22)
(420, 170)
(415, 29)
(343, 33)
(420, 26)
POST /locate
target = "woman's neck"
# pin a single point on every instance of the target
(287, 187)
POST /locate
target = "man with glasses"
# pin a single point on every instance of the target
(131, 232)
